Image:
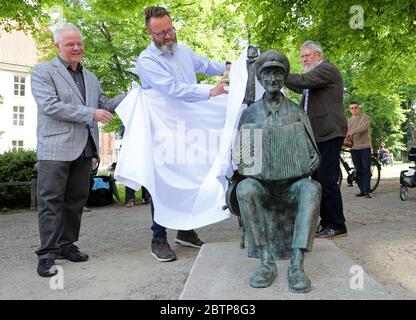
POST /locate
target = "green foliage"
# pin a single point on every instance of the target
(376, 61)
(113, 126)
(19, 14)
(114, 35)
(16, 166)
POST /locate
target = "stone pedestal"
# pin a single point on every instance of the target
(222, 271)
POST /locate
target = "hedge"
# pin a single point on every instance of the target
(16, 166)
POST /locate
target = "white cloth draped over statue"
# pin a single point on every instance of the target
(180, 151)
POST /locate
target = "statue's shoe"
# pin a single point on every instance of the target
(298, 281)
(264, 275)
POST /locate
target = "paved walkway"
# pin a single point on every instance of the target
(381, 240)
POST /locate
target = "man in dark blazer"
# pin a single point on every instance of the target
(70, 103)
(322, 91)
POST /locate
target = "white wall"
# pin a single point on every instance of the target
(27, 133)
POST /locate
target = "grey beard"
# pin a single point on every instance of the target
(307, 69)
(168, 49)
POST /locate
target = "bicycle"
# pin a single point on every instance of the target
(375, 169)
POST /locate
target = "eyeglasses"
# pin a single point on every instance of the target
(352, 108)
(163, 34)
(73, 44)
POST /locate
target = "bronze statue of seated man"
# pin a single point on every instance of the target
(276, 153)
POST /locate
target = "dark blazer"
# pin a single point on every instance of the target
(325, 106)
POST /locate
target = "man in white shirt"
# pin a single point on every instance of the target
(171, 69)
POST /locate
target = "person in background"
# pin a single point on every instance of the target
(358, 129)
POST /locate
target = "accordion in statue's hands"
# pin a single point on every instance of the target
(275, 152)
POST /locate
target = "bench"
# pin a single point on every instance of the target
(32, 185)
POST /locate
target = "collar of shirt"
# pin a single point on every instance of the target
(68, 65)
(268, 110)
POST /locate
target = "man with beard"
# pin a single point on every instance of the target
(322, 88)
(171, 69)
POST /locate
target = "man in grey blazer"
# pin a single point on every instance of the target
(322, 91)
(70, 103)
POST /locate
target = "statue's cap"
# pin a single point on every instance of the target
(272, 59)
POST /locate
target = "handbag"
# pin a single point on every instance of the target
(348, 141)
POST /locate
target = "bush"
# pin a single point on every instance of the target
(16, 166)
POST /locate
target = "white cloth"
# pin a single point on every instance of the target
(180, 151)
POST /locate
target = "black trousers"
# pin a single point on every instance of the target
(362, 163)
(62, 188)
(332, 211)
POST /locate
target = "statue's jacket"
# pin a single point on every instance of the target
(275, 144)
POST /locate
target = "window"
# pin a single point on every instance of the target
(17, 145)
(19, 86)
(18, 116)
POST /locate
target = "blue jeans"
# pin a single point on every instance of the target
(362, 162)
(157, 229)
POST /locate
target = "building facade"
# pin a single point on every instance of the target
(17, 107)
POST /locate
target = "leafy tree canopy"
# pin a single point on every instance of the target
(372, 42)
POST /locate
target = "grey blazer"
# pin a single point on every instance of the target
(64, 118)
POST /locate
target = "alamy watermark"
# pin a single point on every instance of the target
(194, 146)
(357, 20)
(357, 280)
(56, 282)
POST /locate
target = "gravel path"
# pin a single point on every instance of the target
(381, 239)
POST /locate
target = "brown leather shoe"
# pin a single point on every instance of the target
(361, 194)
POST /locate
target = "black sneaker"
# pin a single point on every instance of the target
(319, 229)
(330, 234)
(161, 250)
(188, 239)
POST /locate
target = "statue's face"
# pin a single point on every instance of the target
(272, 79)
(252, 52)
